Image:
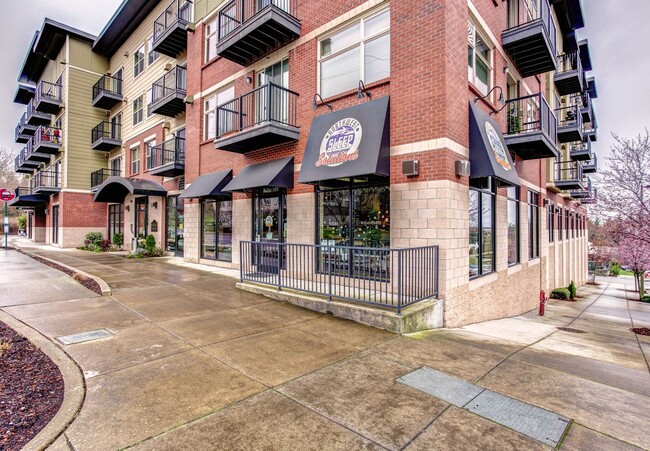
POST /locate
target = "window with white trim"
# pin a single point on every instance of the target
(152, 55)
(211, 40)
(150, 161)
(135, 160)
(479, 55)
(149, 101)
(360, 51)
(138, 61)
(137, 110)
(209, 111)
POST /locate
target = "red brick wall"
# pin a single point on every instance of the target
(161, 136)
(79, 210)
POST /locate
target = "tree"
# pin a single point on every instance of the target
(634, 254)
(8, 178)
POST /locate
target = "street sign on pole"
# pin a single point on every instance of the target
(6, 195)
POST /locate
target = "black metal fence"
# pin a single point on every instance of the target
(531, 114)
(107, 130)
(98, 177)
(386, 277)
(46, 179)
(171, 151)
(109, 84)
(172, 83)
(179, 12)
(49, 91)
(568, 62)
(234, 13)
(268, 103)
(568, 171)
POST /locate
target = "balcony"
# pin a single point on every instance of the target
(586, 109)
(33, 155)
(568, 175)
(531, 40)
(168, 93)
(168, 158)
(25, 197)
(48, 97)
(24, 166)
(98, 177)
(263, 117)
(48, 140)
(532, 128)
(19, 136)
(26, 128)
(36, 118)
(107, 92)
(106, 136)
(252, 29)
(592, 198)
(569, 76)
(590, 166)
(580, 151)
(584, 192)
(46, 182)
(170, 28)
(569, 127)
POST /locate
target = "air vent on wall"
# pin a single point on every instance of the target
(181, 183)
(410, 168)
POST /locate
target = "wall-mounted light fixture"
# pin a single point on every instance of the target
(249, 80)
(315, 104)
(127, 208)
(463, 168)
(154, 205)
(362, 91)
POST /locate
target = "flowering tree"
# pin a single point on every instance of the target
(634, 253)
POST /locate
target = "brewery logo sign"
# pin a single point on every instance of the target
(341, 143)
(497, 147)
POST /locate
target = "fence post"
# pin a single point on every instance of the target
(437, 276)
(329, 273)
(399, 282)
(279, 266)
(241, 261)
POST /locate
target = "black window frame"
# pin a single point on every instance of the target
(487, 186)
(517, 201)
(217, 212)
(551, 222)
(560, 228)
(115, 221)
(533, 225)
(566, 223)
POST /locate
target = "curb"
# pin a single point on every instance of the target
(74, 391)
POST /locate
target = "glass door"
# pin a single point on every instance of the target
(175, 225)
(141, 207)
(277, 74)
(269, 222)
(55, 224)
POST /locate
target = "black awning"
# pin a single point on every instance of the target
(24, 93)
(488, 153)
(29, 200)
(348, 143)
(278, 174)
(115, 189)
(209, 185)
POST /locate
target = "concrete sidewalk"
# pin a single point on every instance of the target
(193, 362)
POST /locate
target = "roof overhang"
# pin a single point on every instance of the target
(24, 93)
(115, 189)
(129, 15)
(209, 185)
(585, 55)
(274, 174)
(569, 14)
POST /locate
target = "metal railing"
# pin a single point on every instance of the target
(530, 11)
(568, 62)
(172, 83)
(235, 13)
(581, 147)
(109, 84)
(46, 178)
(591, 164)
(23, 120)
(107, 130)
(98, 177)
(568, 171)
(531, 114)
(23, 190)
(268, 103)
(386, 277)
(171, 151)
(31, 109)
(179, 12)
(569, 116)
(48, 91)
(48, 134)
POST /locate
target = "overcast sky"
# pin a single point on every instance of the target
(618, 33)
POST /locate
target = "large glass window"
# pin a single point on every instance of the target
(152, 55)
(360, 51)
(211, 40)
(566, 223)
(150, 160)
(481, 227)
(135, 160)
(513, 225)
(559, 223)
(115, 221)
(479, 69)
(138, 61)
(551, 223)
(216, 229)
(137, 110)
(175, 224)
(209, 109)
(533, 224)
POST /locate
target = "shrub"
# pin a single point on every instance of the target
(150, 243)
(105, 245)
(646, 298)
(615, 269)
(572, 290)
(93, 238)
(22, 222)
(118, 239)
(560, 293)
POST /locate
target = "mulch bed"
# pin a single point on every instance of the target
(87, 282)
(641, 330)
(31, 389)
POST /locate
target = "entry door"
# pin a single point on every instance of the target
(278, 74)
(141, 207)
(269, 227)
(175, 225)
(55, 224)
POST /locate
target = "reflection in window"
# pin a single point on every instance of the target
(533, 224)
(216, 230)
(481, 227)
(513, 225)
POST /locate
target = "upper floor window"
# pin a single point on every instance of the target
(211, 40)
(152, 55)
(210, 106)
(135, 160)
(360, 51)
(150, 154)
(138, 62)
(137, 110)
(479, 69)
(149, 101)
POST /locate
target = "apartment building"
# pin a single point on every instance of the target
(386, 153)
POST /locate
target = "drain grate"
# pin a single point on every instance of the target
(573, 331)
(84, 336)
(448, 388)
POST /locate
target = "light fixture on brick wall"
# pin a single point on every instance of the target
(362, 91)
(463, 168)
(315, 104)
(154, 205)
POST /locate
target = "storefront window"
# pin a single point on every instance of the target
(481, 227)
(513, 225)
(533, 224)
(175, 224)
(216, 230)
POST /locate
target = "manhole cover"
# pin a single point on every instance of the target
(573, 331)
(84, 336)
(641, 330)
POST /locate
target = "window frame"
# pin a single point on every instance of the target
(489, 62)
(489, 188)
(517, 201)
(206, 113)
(149, 154)
(135, 163)
(217, 211)
(207, 36)
(138, 114)
(551, 222)
(361, 42)
(137, 70)
(152, 55)
(533, 227)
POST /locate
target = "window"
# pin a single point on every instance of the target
(137, 110)
(116, 126)
(138, 62)
(150, 160)
(513, 225)
(566, 224)
(115, 221)
(135, 160)
(481, 227)
(116, 166)
(573, 225)
(361, 51)
(210, 106)
(211, 40)
(533, 224)
(152, 55)
(216, 229)
(479, 69)
(551, 223)
(149, 101)
(559, 223)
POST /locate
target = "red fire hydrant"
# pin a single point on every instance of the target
(542, 302)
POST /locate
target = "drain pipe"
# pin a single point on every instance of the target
(542, 295)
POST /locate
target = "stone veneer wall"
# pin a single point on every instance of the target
(192, 237)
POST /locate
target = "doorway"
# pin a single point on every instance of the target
(175, 225)
(141, 208)
(55, 224)
(269, 226)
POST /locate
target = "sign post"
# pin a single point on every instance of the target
(6, 195)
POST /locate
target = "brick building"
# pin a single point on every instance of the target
(366, 150)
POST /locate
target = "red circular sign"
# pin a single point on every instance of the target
(6, 194)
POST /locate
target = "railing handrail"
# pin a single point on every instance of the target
(53, 91)
(99, 176)
(106, 129)
(47, 178)
(50, 132)
(170, 151)
(176, 11)
(235, 13)
(539, 118)
(115, 85)
(569, 61)
(573, 168)
(160, 88)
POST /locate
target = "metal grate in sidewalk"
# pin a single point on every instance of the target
(83, 337)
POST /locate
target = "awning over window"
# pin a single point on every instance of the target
(348, 143)
(209, 185)
(488, 153)
(115, 189)
(277, 173)
(29, 200)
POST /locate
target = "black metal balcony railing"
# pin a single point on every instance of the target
(168, 92)
(386, 277)
(20, 136)
(46, 180)
(580, 151)
(98, 177)
(170, 28)
(251, 29)
(107, 92)
(568, 175)
(23, 165)
(583, 192)
(106, 136)
(168, 159)
(35, 154)
(569, 124)
(569, 77)
(569, 62)
(35, 117)
(25, 127)
(590, 166)
(592, 197)
(531, 127)
(48, 139)
(49, 97)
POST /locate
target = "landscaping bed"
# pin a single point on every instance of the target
(31, 389)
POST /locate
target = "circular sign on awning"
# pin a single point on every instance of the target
(6, 194)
